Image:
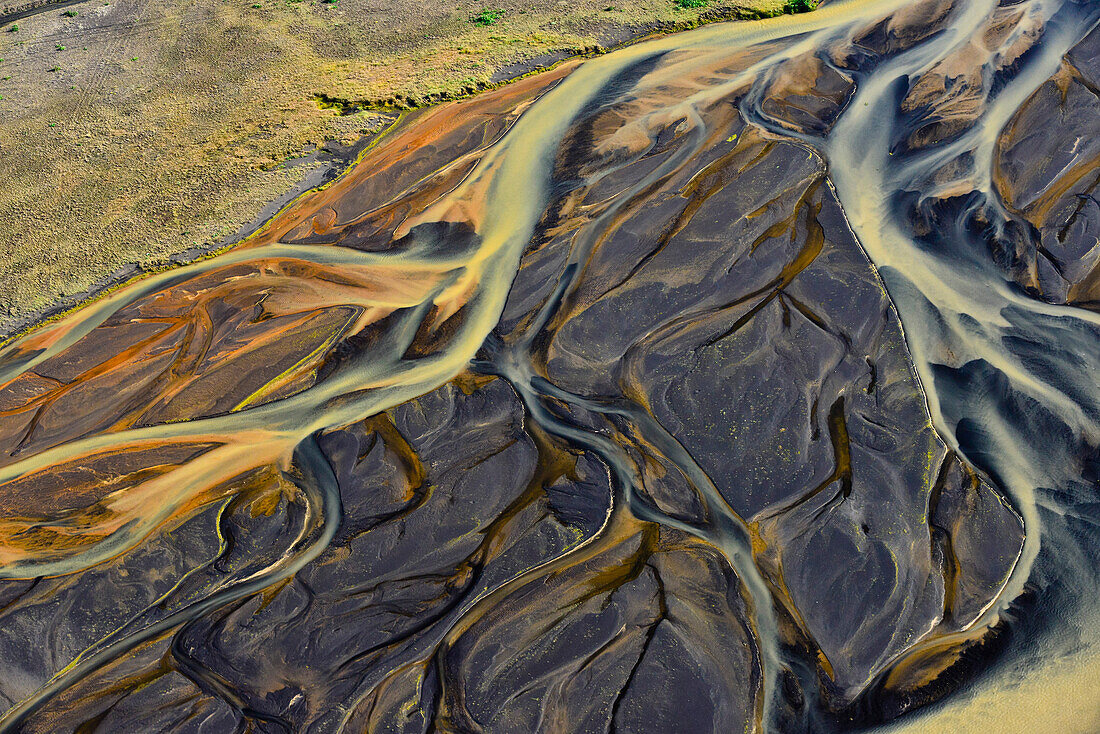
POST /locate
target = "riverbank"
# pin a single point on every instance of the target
(132, 132)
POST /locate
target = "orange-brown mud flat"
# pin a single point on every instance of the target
(740, 380)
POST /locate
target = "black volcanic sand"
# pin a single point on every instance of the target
(723, 383)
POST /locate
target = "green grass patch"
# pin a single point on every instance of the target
(487, 17)
(800, 6)
(689, 3)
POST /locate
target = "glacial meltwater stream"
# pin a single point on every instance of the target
(744, 379)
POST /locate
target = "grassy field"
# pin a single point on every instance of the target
(132, 130)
